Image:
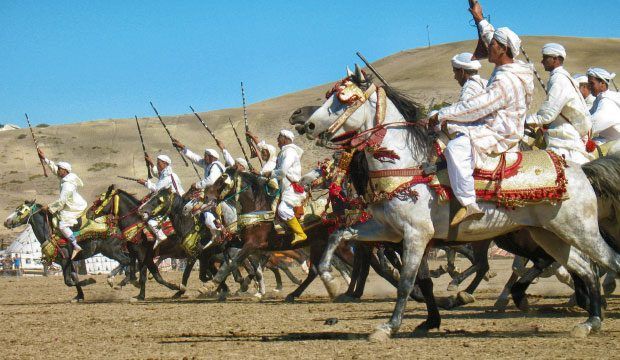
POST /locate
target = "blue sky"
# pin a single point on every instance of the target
(68, 61)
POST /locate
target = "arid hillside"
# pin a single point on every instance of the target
(100, 150)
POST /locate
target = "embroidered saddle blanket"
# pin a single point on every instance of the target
(313, 210)
(511, 180)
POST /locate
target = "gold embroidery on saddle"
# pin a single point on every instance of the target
(89, 228)
(525, 178)
(312, 216)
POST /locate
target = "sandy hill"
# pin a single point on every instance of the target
(100, 150)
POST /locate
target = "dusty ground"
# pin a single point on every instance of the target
(39, 322)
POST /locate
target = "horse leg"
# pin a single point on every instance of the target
(414, 245)
(425, 282)
(71, 279)
(278, 276)
(186, 273)
(210, 287)
(287, 271)
(154, 270)
(579, 264)
(503, 298)
(314, 257)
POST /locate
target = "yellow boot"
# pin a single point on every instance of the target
(300, 235)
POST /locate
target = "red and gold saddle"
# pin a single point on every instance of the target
(510, 180)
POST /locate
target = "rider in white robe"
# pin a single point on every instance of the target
(288, 174)
(606, 108)
(584, 89)
(166, 179)
(70, 204)
(564, 113)
(490, 123)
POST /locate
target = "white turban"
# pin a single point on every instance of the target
(264, 146)
(165, 158)
(464, 61)
(242, 162)
(601, 73)
(507, 37)
(580, 78)
(553, 49)
(287, 134)
(64, 165)
(212, 153)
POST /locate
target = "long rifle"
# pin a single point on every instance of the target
(35, 145)
(203, 123)
(148, 166)
(253, 152)
(535, 72)
(128, 178)
(240, 144)
(372, 68)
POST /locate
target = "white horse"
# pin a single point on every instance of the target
(568, 231)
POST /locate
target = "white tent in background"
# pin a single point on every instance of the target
(29, 250)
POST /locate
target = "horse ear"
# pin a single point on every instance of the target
(359, 75)
(349, 72)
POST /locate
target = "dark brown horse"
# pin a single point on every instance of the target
(258, 238)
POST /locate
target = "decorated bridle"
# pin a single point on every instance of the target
(349, 93)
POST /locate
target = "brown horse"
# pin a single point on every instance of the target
(258, 238)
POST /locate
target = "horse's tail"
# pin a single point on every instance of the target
(604, 175)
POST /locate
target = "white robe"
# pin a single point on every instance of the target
(213, 171)
(494, 120)
(473, 86)
(70, 204)
(288, 171)
(165, 180)
(606, 117)
(590, 101)
(564, 100)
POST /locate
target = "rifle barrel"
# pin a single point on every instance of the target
(148, 167)
(203, 123)
(34, 139)
(240, 144)
(372, 68)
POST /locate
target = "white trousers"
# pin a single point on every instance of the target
(156, 228)
(285, 211)
(210, 220)
(461, 169)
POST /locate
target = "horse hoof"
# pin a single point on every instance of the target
(330, 285)
(178, 295)
(277, 290)
(501, 304)
(466, 298)
(381, 334)
(426, 326)
(209, 289)
(110, 282)
(77, 300)
(489, 275)
(453, 287)
(222, 296)
(136, 299)
(344, 298)
(258, 295)
(182, 288)
(524, 305)
(289, 299)
(446, 303)
(581, 330)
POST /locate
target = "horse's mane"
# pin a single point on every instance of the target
(131, 196)
(358, 172)
(408, 108)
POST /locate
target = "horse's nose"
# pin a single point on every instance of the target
(7, 223)
(309, 127)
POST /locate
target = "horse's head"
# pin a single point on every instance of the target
(106, 203)
(224, 186)
(158, 204)
(346, 110)
(21, 215)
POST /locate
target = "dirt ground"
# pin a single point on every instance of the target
(39, 322)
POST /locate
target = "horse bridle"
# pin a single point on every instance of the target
(355, 101)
